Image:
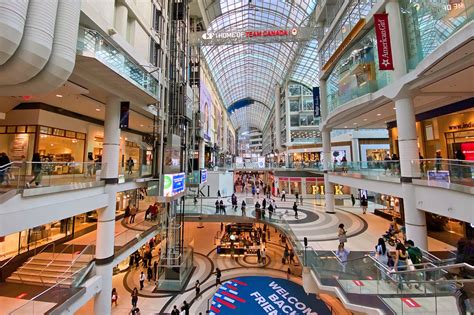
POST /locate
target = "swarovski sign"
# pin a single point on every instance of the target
(242, 35)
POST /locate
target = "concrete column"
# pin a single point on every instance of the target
(202, 152)
(355, 149)
(328, 186)
(276, 124)
(104, 251)
(110, 156)
(121, 19)
(224, 136)
(415, 220)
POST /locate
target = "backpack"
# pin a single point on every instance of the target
(417, 257)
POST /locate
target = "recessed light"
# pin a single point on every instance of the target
(141, 125)
(394, 108)
(59, 95)
(97, 109)
(355, 123)
(365, 119)
(379, 114)
(345, 126)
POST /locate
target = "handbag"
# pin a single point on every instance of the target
(410, 264)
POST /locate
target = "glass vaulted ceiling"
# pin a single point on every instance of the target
(252, 70)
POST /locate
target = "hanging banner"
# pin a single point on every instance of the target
(384, 47)
(124, 114)
(316, 102)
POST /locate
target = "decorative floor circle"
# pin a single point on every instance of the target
(264, 295)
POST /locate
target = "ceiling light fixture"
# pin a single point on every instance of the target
(97, 109)
(365, 119)
(379, 114)
(59, 95)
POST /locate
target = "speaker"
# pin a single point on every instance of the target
(305, 240)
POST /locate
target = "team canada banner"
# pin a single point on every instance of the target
(384, 47)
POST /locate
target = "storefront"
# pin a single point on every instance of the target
(448, 129)
(53, 144)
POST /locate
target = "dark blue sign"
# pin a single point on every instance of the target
(124, 114)
(264, 295)
(203, 175)
(316, 102)
(178, 183)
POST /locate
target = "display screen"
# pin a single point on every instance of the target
(173, 184)
(203, 175)
(468, 149)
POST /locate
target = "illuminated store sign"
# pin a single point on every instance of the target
(382, 33)
(203, 175)
(250, 34)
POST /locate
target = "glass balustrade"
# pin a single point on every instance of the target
(443, 171)
(30, 175)
(92, 43)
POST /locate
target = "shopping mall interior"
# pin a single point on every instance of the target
(237, 157)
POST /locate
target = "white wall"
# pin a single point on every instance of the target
(223, 181)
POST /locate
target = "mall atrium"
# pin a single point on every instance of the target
(236, 157)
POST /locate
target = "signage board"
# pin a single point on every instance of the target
(316, 102)
(260, 295)
(250, 34)
(261, 162)
(173, 184)
(439, 176)
(384, 46)
(203, 175)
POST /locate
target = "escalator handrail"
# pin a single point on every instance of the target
(448, 267)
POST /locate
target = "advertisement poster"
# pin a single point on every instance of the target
(264, 295)
(439, 176)
(173, 184)
(261, 162)
(205, 107)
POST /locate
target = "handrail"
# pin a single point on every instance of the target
(53, 260)
(31, 259)
(6, 263)
(448, 267)
(74, 261)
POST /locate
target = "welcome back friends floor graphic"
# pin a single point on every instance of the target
(265, 295)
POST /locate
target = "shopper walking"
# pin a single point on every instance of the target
(295, 209)
(353, 200)
(134, 298)
(292, 257)
(141, 279)
(342, 254)
(341, 234)
(301, 199)
(297, 196)
(222, 207)
(217, 206)
(149, 273)
(270, 210)
(197, 287)
(36, 168)
(114, 297)
(243, 208)
(185, 308)
(264, 203)
(283, 195)
(264, 256)
(133, 213)
(218, 276)
(401, 262)
(175, 310)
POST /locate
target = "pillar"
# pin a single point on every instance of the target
(121, 19)
(355, 148)
(328, 186)
(104, 251)
(415, 220)
(276, 123)
(202, 152)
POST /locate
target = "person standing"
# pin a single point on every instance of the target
(288, 273)
(149, 273)
(243, 207)
(134, 298)
(217, 206)
(141, 279)
(364, 203)
(341, 234)
(264, 203)
(301, 199)
(401, 259)
(295, 209)
(222, 207)
(292, 257)
(353, 200)
(155, 270)
(258, 192)
(197, 287)
(259, 256)
(270, 210)
(342, 254)
(130, 165)
(219, 193)
(264, 256)
(381, 255)
(283, 195)
(438, 160)
(297, 196)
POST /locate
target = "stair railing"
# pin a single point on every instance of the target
(55, 255)
(32, 258)
(73, 262)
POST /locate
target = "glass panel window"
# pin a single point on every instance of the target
(308, 104)
(294, 121)
(295, 105)
(294, 89)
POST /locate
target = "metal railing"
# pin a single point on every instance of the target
(445, 171)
